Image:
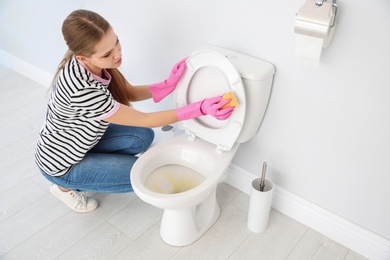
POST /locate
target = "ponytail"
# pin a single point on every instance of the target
(118, 87)
(68, 55)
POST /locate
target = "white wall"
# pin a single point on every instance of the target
(326, 134)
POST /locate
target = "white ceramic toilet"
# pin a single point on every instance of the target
(181, 175)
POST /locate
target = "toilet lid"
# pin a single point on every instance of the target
(209, 74)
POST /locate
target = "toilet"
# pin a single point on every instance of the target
(180, 175)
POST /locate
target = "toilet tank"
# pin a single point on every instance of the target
(257, 77)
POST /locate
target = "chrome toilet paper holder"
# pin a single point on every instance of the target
(334, 9)
(317, 18)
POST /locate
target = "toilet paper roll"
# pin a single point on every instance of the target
(308, 50)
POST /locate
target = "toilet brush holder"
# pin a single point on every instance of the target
(259, 206)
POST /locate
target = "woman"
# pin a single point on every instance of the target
(91, 135)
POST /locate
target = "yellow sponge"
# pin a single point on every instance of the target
(233, 102)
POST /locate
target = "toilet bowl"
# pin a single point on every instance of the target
(180, 175)
(187, 215)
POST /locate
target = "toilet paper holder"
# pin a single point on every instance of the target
(317, 18)
(334, 9)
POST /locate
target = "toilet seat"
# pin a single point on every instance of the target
(209, 74)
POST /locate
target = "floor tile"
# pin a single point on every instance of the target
(315, 246)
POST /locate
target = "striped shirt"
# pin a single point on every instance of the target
(74, 122)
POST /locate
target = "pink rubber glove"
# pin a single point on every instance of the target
(162, 89)
(209, 106)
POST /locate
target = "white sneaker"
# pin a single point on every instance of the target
(77, 201)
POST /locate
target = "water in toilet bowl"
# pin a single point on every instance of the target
(170, 179)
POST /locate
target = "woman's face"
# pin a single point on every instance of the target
(108, 54)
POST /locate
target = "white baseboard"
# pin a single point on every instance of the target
(350, 235)
(26, 69)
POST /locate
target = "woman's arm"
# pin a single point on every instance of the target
(138, 93)
(129, 116)
(126, 115)
(158, 90)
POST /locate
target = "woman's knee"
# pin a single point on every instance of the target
(149, 136)
(124, 139)
(143, 136)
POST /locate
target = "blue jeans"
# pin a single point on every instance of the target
(106, 167)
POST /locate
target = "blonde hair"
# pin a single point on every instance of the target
(82, 30)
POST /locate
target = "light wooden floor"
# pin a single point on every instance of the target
(35, 224)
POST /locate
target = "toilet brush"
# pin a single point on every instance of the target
(262, 180)
(260, 203)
